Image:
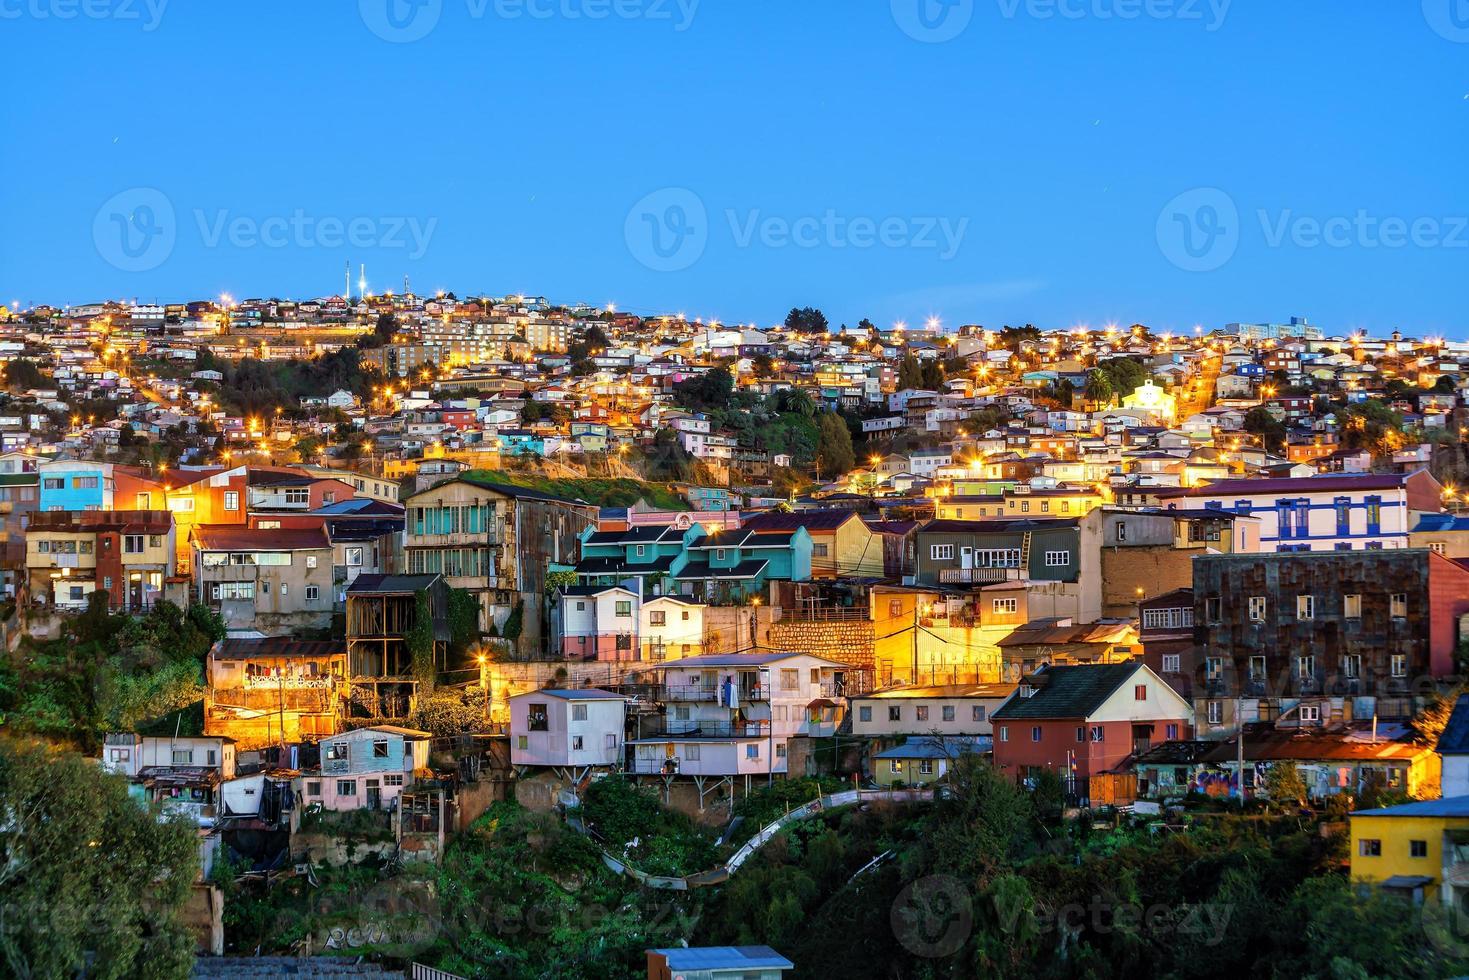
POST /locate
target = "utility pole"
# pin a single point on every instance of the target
(1239, 720)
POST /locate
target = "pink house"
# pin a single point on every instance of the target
(366, 769)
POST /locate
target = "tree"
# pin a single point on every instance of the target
(710, 390)
(807, 319)
(834, 452)
(87, 873)
(910, 373)
(1098, 387)
(1125, 374)
(1283, 784)
(22, 374)
(933, 376)
(1272, 432)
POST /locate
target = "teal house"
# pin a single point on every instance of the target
(653, 553)
(736, 564)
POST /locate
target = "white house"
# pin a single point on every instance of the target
(599, 622)
(367, 768)
(943, 710)
(671, 626)
(734, 714)
(573, 729)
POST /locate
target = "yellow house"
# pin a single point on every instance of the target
(1053, 502)
(1152, 402)
(1417, 850)
(842, 545)
(921, 761)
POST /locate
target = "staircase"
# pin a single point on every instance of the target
(1025, 553)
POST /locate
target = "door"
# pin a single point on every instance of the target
(374, 795)
(966, 557)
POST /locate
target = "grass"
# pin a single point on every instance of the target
(602, 491)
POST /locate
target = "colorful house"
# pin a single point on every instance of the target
(1417, 850)
(736, 564)
(842, 545)
(366, 769)
(922, 761)
(652, 553)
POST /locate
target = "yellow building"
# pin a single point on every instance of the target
(1418, 850)
(1151, 402)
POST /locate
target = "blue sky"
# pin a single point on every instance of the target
(1053, 161)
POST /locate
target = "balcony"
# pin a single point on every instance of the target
(698, 692)
(710, 729)
(271, 698)
(979, 576)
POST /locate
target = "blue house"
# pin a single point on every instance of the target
(710, 498)
(75, 484)
(520, 442)
(737, 563)
(653, 553)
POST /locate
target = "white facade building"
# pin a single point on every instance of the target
(567, 728)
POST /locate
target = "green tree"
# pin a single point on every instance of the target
(1272, 432)
(93, 883)
(1283, 784)
(910, 373)
(834, 451)
(807, 319)
(1125, 375)
(1098, 387)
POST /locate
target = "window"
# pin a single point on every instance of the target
(1213, 609)
(864, 713)
(336, 751)
(310, 561)
(132, 544)
(143, 501)
(1213, 668)
(790, 679)
(522, 742)
(313, 788)
(1081, 733)
(895, 608)
(920, 713)
(578, 712)
(1257, 609)
(1369, 847)
(657, 618)
(312, 593)
(1418, 848)
(536, 719)
(1004, 607)
(609, 741)
(183, 757)
(1140, 692)
(298, 496)
(1170, 663)
(948, 711)
(1351, 606)
(641, 551)
(1098, 733)
(1058, 559)
(1035, 733)
(752, 750)
(232, 500)
(53, 483)
(577, 743)
(285, 588)
(1351, 665)
(1216, 712)
(84, 483)
(1343, 506)
(719, 554)
(780, 750)
(925, 766)
(380, 748)
(942, 552)
(978, 712)
(354, 557)
(624, 608)
(392, 779)
(818, 551)
(1400, 665)
(1305, 607)
(894, 766)
(1172, 731)
(1310, 713)
(1004, 733)
(1257, 668)
(346, 787)
(1306, 668)
(1399, 605)
(1168, 619)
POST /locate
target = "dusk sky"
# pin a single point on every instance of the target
(1169, 162)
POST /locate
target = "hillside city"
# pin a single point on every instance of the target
(460, 636)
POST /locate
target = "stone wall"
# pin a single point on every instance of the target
(850, 642)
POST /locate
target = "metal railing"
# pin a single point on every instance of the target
(710, 729)
(698, 692)
(978, 576)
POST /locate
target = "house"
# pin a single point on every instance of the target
(1166, 635)
(717, 963)
(127, 554)
(1350, 758)
(1417, 851)
(180, 774)
(497, 541)
(1322, 632)
(269, 580)
(1329, 512)
(735, 715)
(1447, 534)
(922, 761)
(568, 729)
(842, 545)
(1084, 721)
(1170, 769)
(366, 769)
(1059, 641)
(730, 565)
(1453, 750)
(671, 626)
(1144, 554)
(653, 553)
(382, 613)
(596, 622)
(264, 691)
(1049, 554)
(948, 710)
